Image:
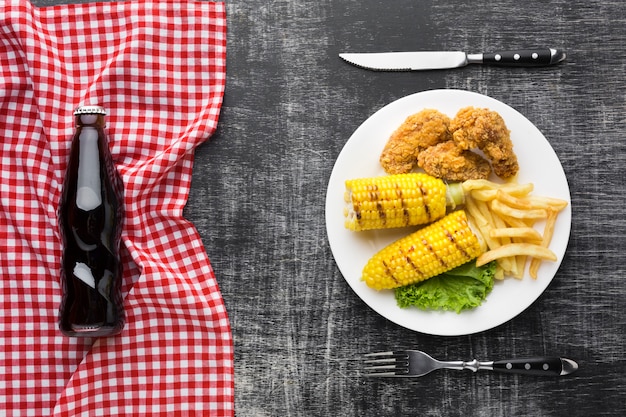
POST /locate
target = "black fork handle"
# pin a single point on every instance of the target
(543, 366)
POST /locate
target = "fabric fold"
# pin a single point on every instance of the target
(159, 69)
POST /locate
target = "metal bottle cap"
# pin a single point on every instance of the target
(90, 110)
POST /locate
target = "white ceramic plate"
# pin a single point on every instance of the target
(359, 158)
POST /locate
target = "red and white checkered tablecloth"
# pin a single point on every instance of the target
(159, 69)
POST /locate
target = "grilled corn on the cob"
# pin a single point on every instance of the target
(430, 251)
(397, 201)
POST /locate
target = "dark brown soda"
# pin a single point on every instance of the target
(91, 215)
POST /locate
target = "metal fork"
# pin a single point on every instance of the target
(414, 363)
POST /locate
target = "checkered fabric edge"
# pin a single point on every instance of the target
(159, 69)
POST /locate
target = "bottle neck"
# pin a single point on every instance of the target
(89, 186)
(90, 119)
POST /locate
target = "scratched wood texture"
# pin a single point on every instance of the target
(259, 187)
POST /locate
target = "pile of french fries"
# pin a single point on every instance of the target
(506, 216)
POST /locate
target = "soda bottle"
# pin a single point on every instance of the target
(91, 216)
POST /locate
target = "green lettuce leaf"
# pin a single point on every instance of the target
(462, 288)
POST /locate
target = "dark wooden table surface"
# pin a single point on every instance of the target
(259, 189)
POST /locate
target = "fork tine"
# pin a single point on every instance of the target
(386, 364)
(388, 371)
(389, 353)
(380, 374)
(380, 361)
(391, 365)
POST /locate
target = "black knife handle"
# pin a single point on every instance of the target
(545, 366)
(524, 57)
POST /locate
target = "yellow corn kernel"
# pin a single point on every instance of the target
(394, 201)
(430, 251)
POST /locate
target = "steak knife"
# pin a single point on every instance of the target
(431, 60)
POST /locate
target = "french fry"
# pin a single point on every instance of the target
(521, 265)
(547, 203)
(499, 273)
(483, 218)
(548, 232)
(505, 214)
(515, 249)
(488, 194)
(524, 232)
(470, 185)
(480, 221)
(512, 201)
(509, 264)
(506, 210)
(513, 222)
(477, 217)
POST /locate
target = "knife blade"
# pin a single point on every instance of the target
(432, 60)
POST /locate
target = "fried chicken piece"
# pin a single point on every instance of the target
(449, 162)
(485, 129)
(418, 132)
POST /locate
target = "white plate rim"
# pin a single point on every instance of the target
(359, 158)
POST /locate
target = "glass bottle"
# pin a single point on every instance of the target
(91, 215)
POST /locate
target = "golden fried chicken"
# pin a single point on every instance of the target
(485, 129)
(418, 132)
(449, 162)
